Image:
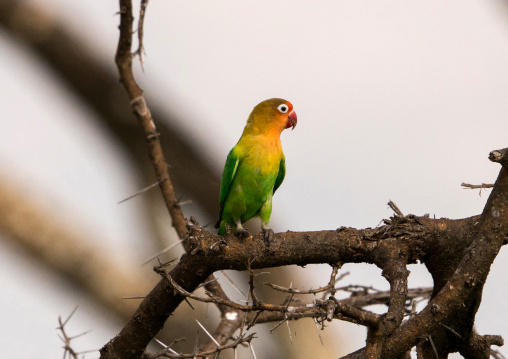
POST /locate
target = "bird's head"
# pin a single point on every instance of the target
(275, 113)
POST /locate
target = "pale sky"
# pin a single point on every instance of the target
(396, 100)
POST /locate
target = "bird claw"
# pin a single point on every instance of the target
(267, 235)
(242, 233)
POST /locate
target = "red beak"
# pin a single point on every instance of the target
(292, 120)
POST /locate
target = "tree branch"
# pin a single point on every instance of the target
(408, 235)
(345, 245)
(468, 279)
(123, 61)
(61, 247)
(330, 287)
(355, 300)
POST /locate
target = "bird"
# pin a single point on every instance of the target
(255, 168)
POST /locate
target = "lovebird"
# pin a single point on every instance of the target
(255, 168)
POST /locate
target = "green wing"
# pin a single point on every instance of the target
(227, 177)
(281, 174)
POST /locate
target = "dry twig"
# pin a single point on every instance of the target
(68, 350)
(166, 353)
(477, 186)
(329, 288)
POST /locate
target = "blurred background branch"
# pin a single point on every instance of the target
(96, 82)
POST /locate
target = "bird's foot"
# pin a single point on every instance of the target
(242, 233)
(267, 235)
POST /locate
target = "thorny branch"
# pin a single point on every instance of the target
(329, 288)
(411, 238)
(169, 353)
(403, 240)
(123, 61)
(461, 291)
(141, 26)
(328, 309)
(364, 299)
(477, 186)
(69, 352)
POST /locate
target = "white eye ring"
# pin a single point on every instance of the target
(283, 108)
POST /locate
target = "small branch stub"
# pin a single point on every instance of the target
(499, 156)
(139, 107)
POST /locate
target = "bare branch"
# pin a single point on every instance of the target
(328, 288)
(255, 301)
(68, 350)
(356, 300)
(477, 186)
(360, 316)
(141, 49)
(344, 245)
(123, 61)
(468, 279)
(138, 104)
(241, 340)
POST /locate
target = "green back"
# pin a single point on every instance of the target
(228, 174)
(281, 174)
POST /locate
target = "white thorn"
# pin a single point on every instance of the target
(318, 331)
(209, 335)
(162, 252)
(252, 350)
(165, 346)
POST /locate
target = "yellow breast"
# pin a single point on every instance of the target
(261, 152)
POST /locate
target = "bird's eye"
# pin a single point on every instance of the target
(283, 108)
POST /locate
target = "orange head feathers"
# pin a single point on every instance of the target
(275, 113)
